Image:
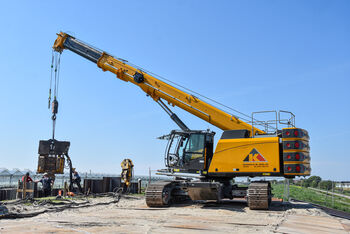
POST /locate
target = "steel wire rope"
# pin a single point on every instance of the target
(52, 60)
(187, 89)
(58, 73)
(57, 61)
(55, 80)
(199, 94)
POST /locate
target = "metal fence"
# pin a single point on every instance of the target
(10, 178)
(332, 194)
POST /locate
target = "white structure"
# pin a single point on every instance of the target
(343, 184)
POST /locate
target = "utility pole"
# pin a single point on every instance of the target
(288, 199)
(149, 172)
(286, 190)
(332, 193)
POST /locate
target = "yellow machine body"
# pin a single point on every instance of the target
(246, 155)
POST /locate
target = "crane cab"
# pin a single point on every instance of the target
(189, 151)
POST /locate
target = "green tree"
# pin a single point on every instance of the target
(303, 183)
(326, 184)
(312, 181)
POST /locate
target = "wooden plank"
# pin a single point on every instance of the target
(24, 182)
(18, 186)
(27, 190)
(23, 189)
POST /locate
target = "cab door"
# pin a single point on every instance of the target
(192, 152)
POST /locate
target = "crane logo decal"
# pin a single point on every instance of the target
(254, 156)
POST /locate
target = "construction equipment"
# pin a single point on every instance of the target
(280, 149)
(127, 172)
(53, 153)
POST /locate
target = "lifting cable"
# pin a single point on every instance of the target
(51, 80)
(242, 116)
(229, 110)
(55, 68)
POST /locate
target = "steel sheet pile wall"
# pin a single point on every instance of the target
(8, 194)
(106, 184)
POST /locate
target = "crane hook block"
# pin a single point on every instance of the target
(54, 106)
(138, 77)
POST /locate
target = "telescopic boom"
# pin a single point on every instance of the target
(155, 88)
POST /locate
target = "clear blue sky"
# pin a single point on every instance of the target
(251, 55)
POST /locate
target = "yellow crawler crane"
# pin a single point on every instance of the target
(201, 173)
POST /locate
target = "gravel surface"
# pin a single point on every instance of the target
(131, 215)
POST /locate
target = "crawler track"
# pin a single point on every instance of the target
(158, 194)
(259, 195)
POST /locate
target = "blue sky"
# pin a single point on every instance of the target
(250, 55)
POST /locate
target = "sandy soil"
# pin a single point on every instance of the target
(131, 215)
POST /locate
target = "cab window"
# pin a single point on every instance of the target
(194, 147)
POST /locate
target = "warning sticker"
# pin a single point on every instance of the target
(254, 156)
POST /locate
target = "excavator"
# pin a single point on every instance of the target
(247, 147)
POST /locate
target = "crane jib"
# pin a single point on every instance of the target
(83, 50)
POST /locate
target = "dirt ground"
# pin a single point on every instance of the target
(131, 215)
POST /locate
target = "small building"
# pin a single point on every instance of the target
(343, 184)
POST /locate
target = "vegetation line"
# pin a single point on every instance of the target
(308, 195)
